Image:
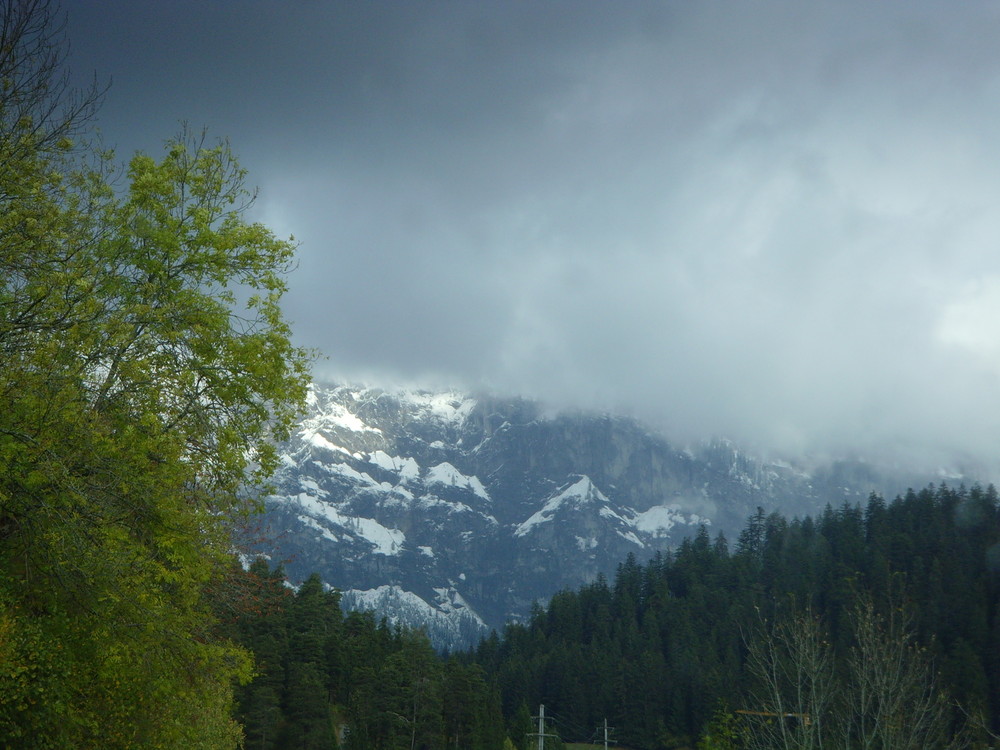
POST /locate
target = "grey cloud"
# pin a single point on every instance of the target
(773, 220)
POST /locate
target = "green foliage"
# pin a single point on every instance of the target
(723, 732)
(656, 652)
(320, 674)
(145, 369)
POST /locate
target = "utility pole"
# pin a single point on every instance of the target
(540, 734)
(607, 731)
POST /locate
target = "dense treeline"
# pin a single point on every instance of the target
(326, 680)
(662, 648)
(671, 650)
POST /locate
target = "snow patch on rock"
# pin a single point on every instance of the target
(448, 475)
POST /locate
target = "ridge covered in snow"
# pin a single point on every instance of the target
(581, 492)
(447, 475)
(448, 620)
(396, 495)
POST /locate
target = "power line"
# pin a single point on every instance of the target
(575, 729)
(603, 733)
(540, 734)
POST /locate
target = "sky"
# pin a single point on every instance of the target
(772, 221)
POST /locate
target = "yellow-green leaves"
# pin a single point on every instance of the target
(144, 365)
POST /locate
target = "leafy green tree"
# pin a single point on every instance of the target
(145, 370)
(723, 732)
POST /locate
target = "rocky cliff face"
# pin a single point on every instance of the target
(458, 512)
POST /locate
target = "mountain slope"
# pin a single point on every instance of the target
(459, 512)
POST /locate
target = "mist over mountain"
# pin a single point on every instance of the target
(456, 511)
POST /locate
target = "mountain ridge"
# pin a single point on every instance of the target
(500, 503)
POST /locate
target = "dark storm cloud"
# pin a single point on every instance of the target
(773, 220)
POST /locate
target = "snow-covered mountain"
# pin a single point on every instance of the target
(457, 512)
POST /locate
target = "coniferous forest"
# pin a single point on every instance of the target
(322, 675)
(873, 626)
(668, 646)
